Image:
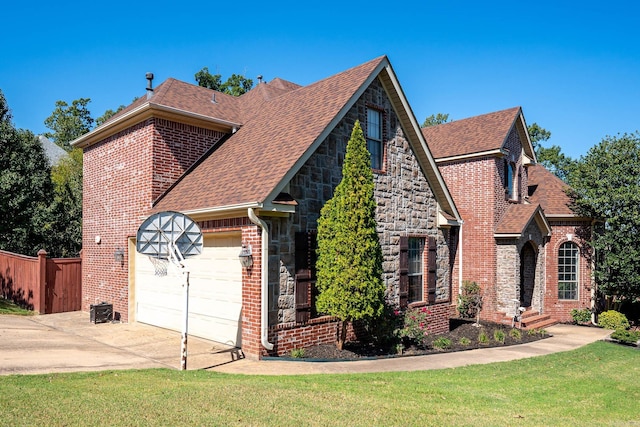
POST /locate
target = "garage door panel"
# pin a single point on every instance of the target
(215, 292)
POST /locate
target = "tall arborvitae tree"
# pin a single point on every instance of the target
(349, 266)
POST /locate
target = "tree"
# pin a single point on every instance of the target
(25, 188)
(349, 265)
(108, 114)
(606, 186)
(555, 161)
(435, 119)
(235, 85)
(537, 135)
(552, 157)
(65, 230)
(69, 122)
(211, 81)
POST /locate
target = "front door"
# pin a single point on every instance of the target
(527, 274)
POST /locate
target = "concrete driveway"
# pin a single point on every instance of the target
(69, 342)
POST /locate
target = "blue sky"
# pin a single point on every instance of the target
(574, 67)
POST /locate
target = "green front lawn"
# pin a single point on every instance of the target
(592, 386)
(8, 307)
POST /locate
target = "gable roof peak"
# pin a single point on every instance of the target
(477, 135)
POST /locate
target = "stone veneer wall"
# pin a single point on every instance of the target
(406, 206)
(508, 274)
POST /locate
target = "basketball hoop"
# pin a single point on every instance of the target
(171, 237)
(159, 265)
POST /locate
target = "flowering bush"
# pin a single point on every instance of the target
(415, 327)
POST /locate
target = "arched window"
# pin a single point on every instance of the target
(568, 263)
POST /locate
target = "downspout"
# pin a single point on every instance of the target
(264, 279)
(460, 246)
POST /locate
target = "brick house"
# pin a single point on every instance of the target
(254, 172)
(520, 241)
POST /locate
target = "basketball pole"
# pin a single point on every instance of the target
(185, 325)
(178, 260)
(164, 234)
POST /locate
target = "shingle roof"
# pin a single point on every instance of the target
(518, 217)
(548, 191)
(477, 134)
(248, 166)
(53, 151)
(209, 103)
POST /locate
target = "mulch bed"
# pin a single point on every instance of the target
(459, 329)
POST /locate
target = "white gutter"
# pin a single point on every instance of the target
(264, 279)
(470, 156)
(219, 209)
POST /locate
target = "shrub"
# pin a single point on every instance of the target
(297, 353)
(483, 338)
(381, 331)
(415, 326)
(516, 334)
(442, 343)
(465, 341)
(581, 316)
(625, 336)
(499, 335)
(613, 320)
(469, 301)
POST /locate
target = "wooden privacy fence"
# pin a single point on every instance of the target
(45, 285)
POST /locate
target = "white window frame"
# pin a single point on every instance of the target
(416, 269)
(568, 272)
(374, 138)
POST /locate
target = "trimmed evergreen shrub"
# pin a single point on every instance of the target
(581, 316)
(613, 320)
(627, 337)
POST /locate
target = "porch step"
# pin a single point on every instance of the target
(531, 320)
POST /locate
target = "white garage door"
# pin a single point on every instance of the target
(215, 292)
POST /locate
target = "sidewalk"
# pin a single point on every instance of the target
(565, 337)
(68, 342)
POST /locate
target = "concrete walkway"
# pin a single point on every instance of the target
(68, 342)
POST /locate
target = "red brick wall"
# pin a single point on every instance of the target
(176, 147)
(472, 185)
(120, 185)
(439, 317)
(561, 309)
(324, 330)
(287, 337)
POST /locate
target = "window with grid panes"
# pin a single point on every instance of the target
(416, 251)
(568, 258)
(374, 137)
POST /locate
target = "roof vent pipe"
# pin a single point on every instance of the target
(213, 98)
(260, 79)
(149, 77)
